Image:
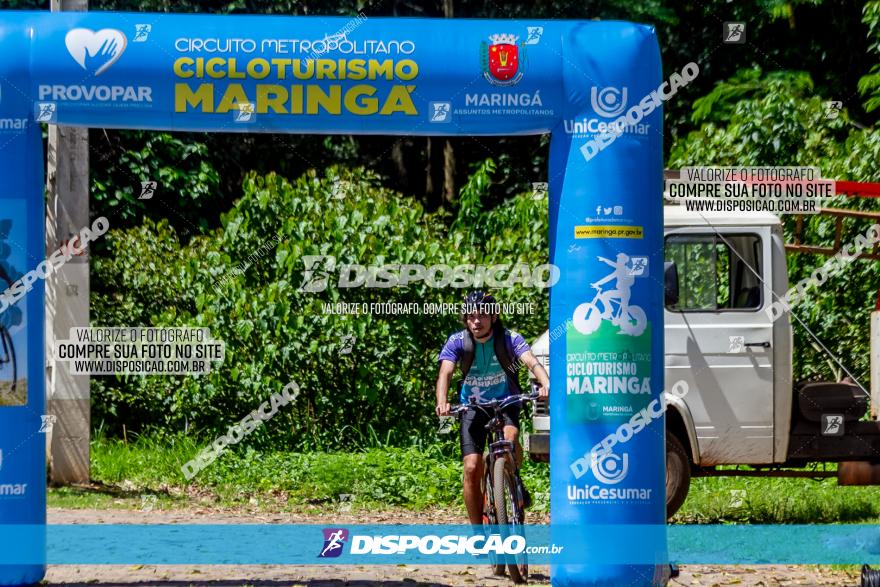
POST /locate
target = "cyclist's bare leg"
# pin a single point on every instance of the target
(473, 494)
(511, 433)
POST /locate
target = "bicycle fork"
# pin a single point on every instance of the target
(506, 448)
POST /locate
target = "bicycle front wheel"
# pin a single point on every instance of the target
(587, 318)
(508, 506)
(490, 515)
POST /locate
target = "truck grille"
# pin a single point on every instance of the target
(542, 408)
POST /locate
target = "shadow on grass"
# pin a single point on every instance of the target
(98, 488)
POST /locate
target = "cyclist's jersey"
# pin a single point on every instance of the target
(624, 282)
(486, 379)
(623, 277)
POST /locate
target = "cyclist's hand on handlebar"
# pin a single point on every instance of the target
(443, 409)
(543, 392)
(595, 285)
(539, 391)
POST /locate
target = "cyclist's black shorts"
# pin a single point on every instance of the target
(473, 428)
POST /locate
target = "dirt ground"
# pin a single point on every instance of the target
(359, 576)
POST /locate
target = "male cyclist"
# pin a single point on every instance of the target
(485, 379)
(624, 281)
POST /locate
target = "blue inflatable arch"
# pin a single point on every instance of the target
(383, 76)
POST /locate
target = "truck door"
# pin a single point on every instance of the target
(718, 339)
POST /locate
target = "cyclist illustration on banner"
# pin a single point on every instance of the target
(13, 387)
(614, 305)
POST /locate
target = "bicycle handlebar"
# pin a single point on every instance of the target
(495, 403)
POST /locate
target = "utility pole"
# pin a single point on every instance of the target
(875, 361)
(67, 293)
(448, 153)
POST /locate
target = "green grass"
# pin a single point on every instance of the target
(758, 500)
(415, 478)
(126, 474)
(111, 497)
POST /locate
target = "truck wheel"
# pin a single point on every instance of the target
(678, 474)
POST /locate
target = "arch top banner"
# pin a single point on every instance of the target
(595, 86)
(307, 74)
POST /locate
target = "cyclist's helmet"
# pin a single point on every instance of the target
(478, 298)
(479, 301)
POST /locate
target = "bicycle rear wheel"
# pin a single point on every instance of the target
(508, 507)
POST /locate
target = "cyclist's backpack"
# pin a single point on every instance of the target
(503, 352)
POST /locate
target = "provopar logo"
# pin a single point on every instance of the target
(95, 51)
(503, 61)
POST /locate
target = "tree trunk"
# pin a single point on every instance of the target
(429, 173)
(448, 172)
(400, 165)
(67, 293)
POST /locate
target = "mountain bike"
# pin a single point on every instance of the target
(588, 316)
(503, 492)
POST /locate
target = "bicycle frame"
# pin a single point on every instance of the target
(612, 304)
(499, 446)
(509, 488)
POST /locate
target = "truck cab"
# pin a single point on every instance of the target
(722, 273)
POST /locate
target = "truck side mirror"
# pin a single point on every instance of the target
(670, 278)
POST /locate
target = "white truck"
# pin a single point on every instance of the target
(742, 406)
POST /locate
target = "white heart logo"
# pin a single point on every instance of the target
(95, 51)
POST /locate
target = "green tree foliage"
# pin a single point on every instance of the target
(869, 85)
(187, 180)
(244, 282)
